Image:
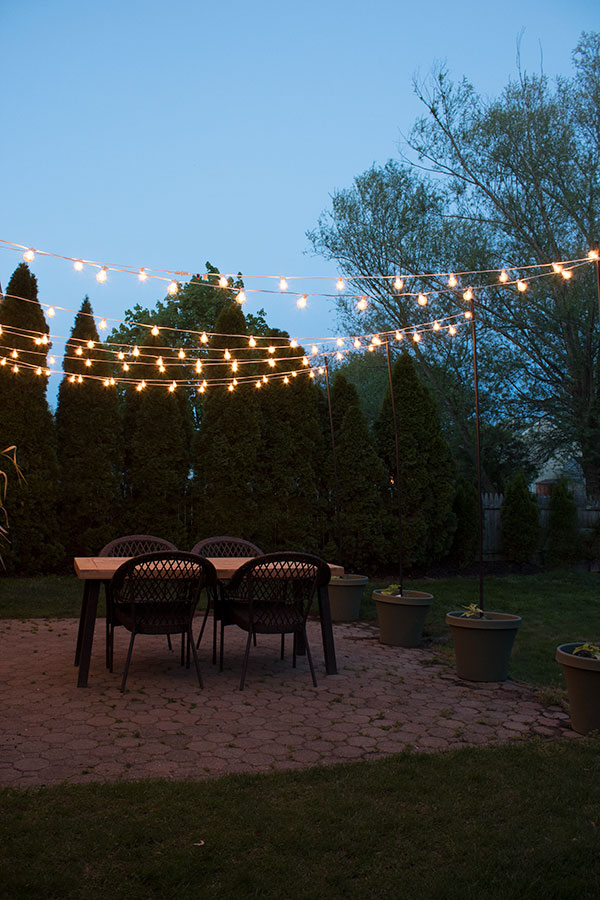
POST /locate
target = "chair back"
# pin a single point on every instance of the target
(134, 544)
(224, 546)
(279, 588)
(158, 592)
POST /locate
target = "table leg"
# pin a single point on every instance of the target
(87, 622)
(327, 631)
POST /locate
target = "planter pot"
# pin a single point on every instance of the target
(401, 618)
(482, 647)
(583, 688)
(345, 595)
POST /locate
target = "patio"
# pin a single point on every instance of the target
(384, 700)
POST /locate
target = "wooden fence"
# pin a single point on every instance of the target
(588, 514)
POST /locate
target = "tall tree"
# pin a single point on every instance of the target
(26, 421)
(426, 467)
(516, 183)
(89, 442)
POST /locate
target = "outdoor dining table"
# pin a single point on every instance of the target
(96, 570)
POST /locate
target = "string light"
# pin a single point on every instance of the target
(204, 338)
(78, 265)
(521, 285)
(362, 304)
(143, 275)
(468, 295)
(340, 284)
(398, 283)
(451, 330)
(227, 355)
(452, 281)
(567, 274)
(340, 342)
(283, 285)
(503, 276)
(181, 354)
(436, 326)
(135, 351)
(399, 336)
(79, 351)
(51, 311)
(556, 267)
(293, 343)
(468, 314)
(272, 362)
(173, 288)
(241, 297)
(252, 342)
(29, 255)
(416, 337)
(173, 386)
(271, 349)
(357, 343)
(102, 275)
(198, 366)
(103, 325)
(154, 331)
(593, 254)
(422, 299)
(302, 301)
(223, 281)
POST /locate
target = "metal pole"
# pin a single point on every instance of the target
(398, 490)
(478, 454)
(335, 475)
(597, 249)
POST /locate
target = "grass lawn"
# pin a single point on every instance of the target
(513, 822)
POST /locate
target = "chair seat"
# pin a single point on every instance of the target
(276, 618)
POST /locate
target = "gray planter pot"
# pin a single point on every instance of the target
(345, 595)
(583, 688)
(482, 647)
(401, 619)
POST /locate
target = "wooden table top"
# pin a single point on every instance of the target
(102, 568)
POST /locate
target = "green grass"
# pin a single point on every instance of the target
(35, 598)
(513, 822)
(555, 607)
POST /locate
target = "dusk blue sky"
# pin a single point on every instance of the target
(167, 134)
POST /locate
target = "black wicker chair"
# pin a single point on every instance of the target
(222, 546)
(273, 594)
(157, 593)
(130, 545)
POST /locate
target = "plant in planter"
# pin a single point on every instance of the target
(483, 642)
(345, 595)
(581, 668)
(401, 615)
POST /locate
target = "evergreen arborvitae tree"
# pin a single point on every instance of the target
(364, 495)
(520, 519)
(343, 396)
(288, 459)
(156, 446)
(465, 542)
(426, 467)
(226, 492)
(563, 544)
(88, 431)
(26, 421)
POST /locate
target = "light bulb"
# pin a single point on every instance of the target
(283, 284)
(120, 355)
(422, 299)
(241, 297)
(451, 329)
(311, 374)
(293, 343)
(593, 254)
(51, 311)
(79, 351)
(399, 336)
(468, 295)
(135, 351)
(304, 361)
(38, 371)
(204, 338)
(14, 354)
(101, 275)
(198, 366)
(272, 362)
(159, 361)
(294, 374)
(301, 301)
(271, 349)
(503, 277)
(357, 343)
(362, 304)
(90, 345)
(142, 275)
(51, 360)
(173, 386)
(340, 284)
(416, 337)
(181, 354)
(88, 363)
(29, 256)
(452, 281)
(340, 342)
(72, 379)
(227, 355)
(376, 341)
(258, 384)
(521, 285)
(567, 274)
(468, 314)
(265, 379)
(15, 369)
(339, 355)
(223, 282)
(234, 365)
(103, 325)
(556, 267)
(154, 330)
(436, 326)
(398, 283)
(252, 342)
(314, 349)
(231, 387)
(78, 265)
(173, 288)
(79, 379)
(286, 380)
(202, 388)
(126, 367)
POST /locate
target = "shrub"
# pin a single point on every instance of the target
(520, 518)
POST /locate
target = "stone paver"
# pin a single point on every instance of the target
(384, 700)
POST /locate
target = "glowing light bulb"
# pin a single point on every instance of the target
(51, 311)
(301, 301)
(106, 382)
(223, 281)
(271, 349)
(556, 267)
(398, 283)
(181, 354)
(90, 345)
(399, 336)
(126, 367)
(140, 386)
(252, 342)
(340, 342)
(37, 341)
(503, 276)
(567, 274)
(436, 326)
(357, 343)
(521, 285)
(101, 276)
(143, 275)
(159, 361)
(154, 330)
(234, 365)
(79, 351)
(376, 341)
(88, 363)
(340, 284)
(258, 384)
(161, 368)
(362, 304)
(314, 349)
(293, 343)
(422, 299)
(51, 360)
(231, 386)
(593, 254)
(120, 355)
(339, 355)
(286, 380)
(468, 314)
(15, 369)
(29, 255)
(416, 337)
(452, 281)
(79, 379)
(241, 297)
(294, 374)
(227, 355)
(451, 329)
(321, 370)
(468, 295)
(38, 371)
(135, 351)
(283, 285)
(272, 362)
(14, 354)
(173, 288)
(3, 361)
(44, 339)
(78, 265)
(311, 374)
(204, 338)
(202, 388)
(265, 379)
(198, 366)
(173, 386)
(103, 325)
(304, 361)
(72, 379)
